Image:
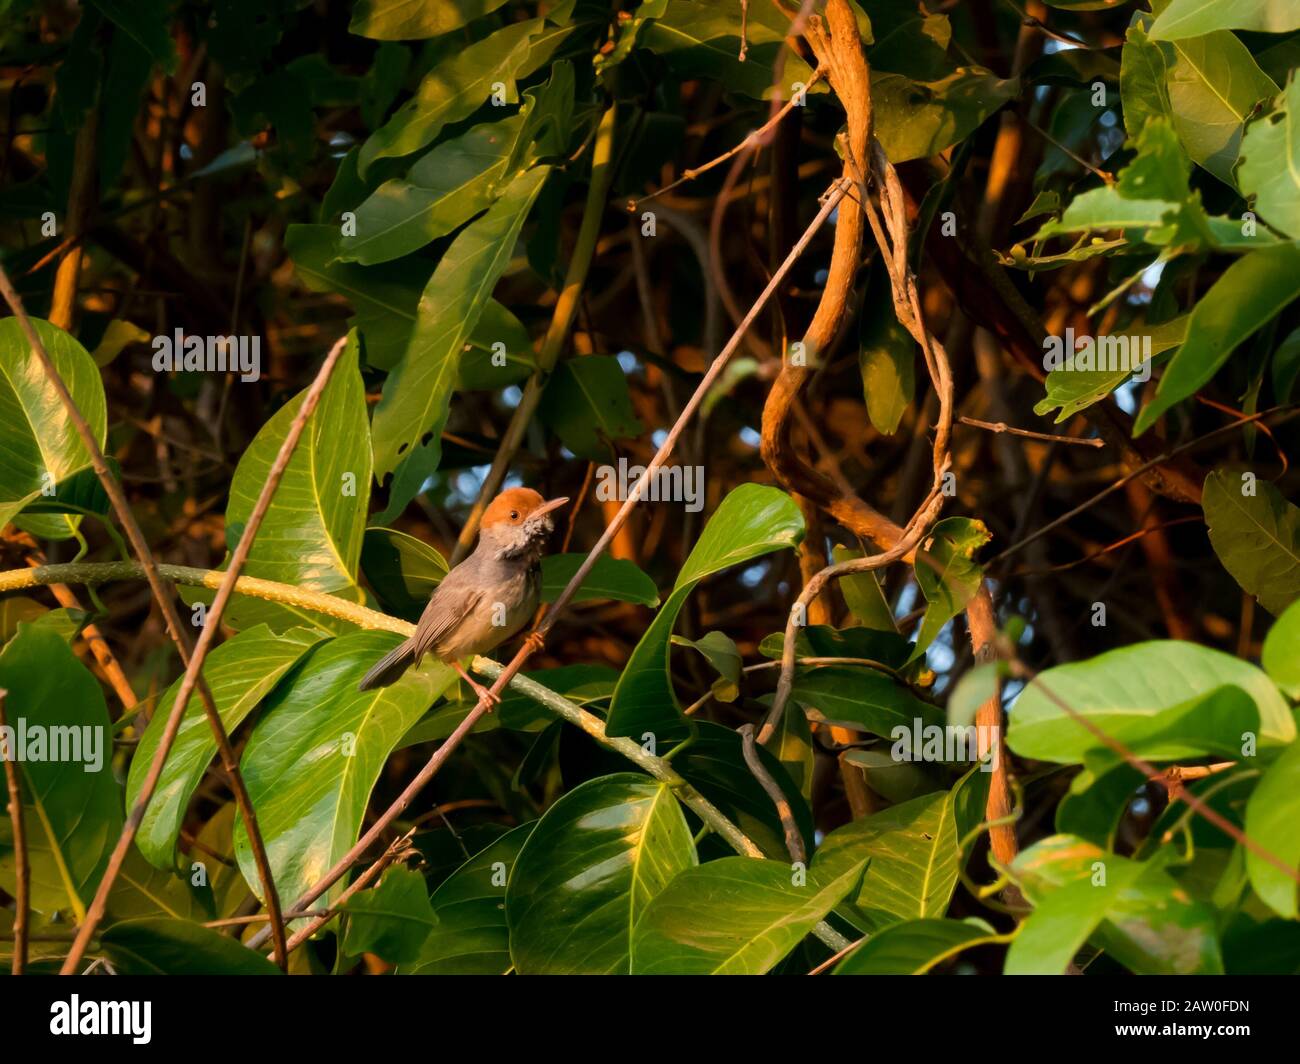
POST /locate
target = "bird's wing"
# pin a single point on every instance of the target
(451, 601)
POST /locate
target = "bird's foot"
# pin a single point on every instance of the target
(535, 642)
(489, 698)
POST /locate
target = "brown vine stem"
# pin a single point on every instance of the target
(161, 594)
(22, 871)
(1030, 434)
(793, 836)
(536, 639)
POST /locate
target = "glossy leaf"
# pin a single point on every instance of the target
(915, 852)
(1142, 79)
(72, 806)
(1192, 18)
(162, 946)
(1281, 655)
(736, 916)
(914, 947)
(1249, 293)
(586, 404)
(417, 392)
(588, 871)
(1133, 909)
(1270, 161)
(1123, 692)
(240, 673)
(317, 751)
(392, 920)
(402, 570)
(751, 521)
(471, 936)
(401, 20)
(1256, 536)
(39, 448)
(1271, 815)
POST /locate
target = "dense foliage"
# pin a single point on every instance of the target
(1040, 357)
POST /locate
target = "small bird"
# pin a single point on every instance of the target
(484, 600)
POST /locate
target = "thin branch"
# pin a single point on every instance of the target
(793, 836)
(1002, 426)
(22, 870)
(171, 617)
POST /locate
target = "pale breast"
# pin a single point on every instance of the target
(513, 602)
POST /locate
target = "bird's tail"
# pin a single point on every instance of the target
(389, 669)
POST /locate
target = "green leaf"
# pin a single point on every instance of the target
(1142, 80)
(915, 853)
(311, 535)
(908, 41)
(1096, 803)
(594, 862)
(1072, 390)
(610, 578)
(914, 947)
(714, 764)
(41, 447)
(886, 358)
(1271, 814)
(471, 936)
(700, 39)
(1132, 909)
(402, 20)
(722, 653)
(1256, 536)
(402, 570)
(455, 181)
(1247, 295)
(317, 751)
(454, 89)
(1270, 162)
(915, 120)
(142, 890)
(751, 521)
(863, 594)
(1192, 18)
(947, 573)
(393, 920)
(860, 698)
(736, 916)
(417, 392)
(1122, 690)
(161, 946)
(72, 806)
(240, 673)
(1214, 85)
(1281, 657)
(586, 404)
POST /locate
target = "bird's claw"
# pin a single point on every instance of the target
(487, 696)
(535, 642)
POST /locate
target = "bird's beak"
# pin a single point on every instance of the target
(548, 506)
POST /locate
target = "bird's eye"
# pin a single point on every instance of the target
(514, 515)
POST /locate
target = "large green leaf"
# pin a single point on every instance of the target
(39, 447)
(72, 806)
(1134, 910)
(736, 916)
(914, 947)
(610, 578)
(1124, 692)
(860, 698)
(1248, 294)
(1270, 162)
(142, 890)
(311, 535)
(751, 521)
(595, 861)
(1142, 86)
(1271, 816)
(1192, 18)
(586, 404)
(417, 392)
(162, 946)
(1281, 654)
(1214, 84)
(392, 920)
(1256, 536)
(454, 89)
(471, 936)
(402, 570)
(240, 673)
(915, 852)
(317, 751)
(914, 120)
(403, 20)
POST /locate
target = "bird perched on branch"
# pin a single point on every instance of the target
(484, 600)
